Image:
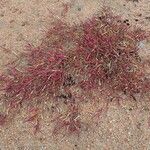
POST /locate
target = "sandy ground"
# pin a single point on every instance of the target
(123, 128)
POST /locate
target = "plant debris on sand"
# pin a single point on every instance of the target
(99, 54)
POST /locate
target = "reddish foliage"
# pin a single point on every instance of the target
(100, 52)
(70, 121)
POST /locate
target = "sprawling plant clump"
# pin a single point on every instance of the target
(99, 54)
